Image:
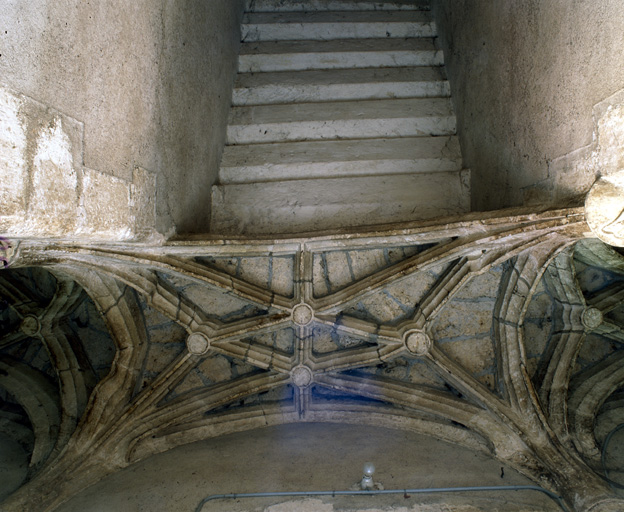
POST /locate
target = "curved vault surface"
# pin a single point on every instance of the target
(308, 456)
(488, 334)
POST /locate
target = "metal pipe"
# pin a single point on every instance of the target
(550, 494)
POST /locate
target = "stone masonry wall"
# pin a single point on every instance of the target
(525, 77)
(148, 83)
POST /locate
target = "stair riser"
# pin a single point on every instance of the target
(338, 60)
(329, 31)
(334, 5)
(343, 92)
(303, 153)
(343, 129)
(269, 172)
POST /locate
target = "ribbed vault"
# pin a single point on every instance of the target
(472, 332)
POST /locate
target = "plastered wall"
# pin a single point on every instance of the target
(149, 81)
(525, 78)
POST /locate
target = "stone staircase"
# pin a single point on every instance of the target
(341, 117)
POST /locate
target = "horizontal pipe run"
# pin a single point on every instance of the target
(550, 494)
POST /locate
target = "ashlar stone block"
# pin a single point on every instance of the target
(54, 198)
(106, 205)
(12, 157)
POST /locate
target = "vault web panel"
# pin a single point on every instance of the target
(14, 421)
(214, 369)
(273, 273)
(215, 302)
(593, 279)
(166, 341)
(335, 270)
(9, 319)
(36, 282)
(398, 301)
(616, 316)
(89, 326)
(321, 393)
(538, 330)
(411, 370)
(278, 395)
(595, 349)
(463, 329)
(282, 340)
(327, 339)
(32, 352)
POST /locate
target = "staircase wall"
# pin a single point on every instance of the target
(150, 81)
(524, 78)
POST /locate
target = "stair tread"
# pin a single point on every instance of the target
(359, 190)
(302, 205)
(337, 17)
(338, 45)
(351, 84)
(341, 151)
(331, 159)
(341, 76)
(317, 5)
(341, 110)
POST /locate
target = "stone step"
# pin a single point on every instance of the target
(335, 5)
(326, 25)
(337, 54)
(326, 204)
(342, 158)
(412, 117)
(341, 118)
(339, 85)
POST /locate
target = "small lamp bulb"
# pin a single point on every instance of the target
(367, 479)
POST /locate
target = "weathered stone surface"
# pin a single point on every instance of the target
(526, 117)
(483, 286)
(193, 380)
(595, 349)
(282, 270)
(360, 354)
(314, 124)
(12, 158)
(143, 202)
(464, 319)
(160, 355)
(213, 300)
(530, 398)
(255, 270)
(380, 308)
(53, 202)
(107, 206)
(136, 75)
(48, 192)
(216, 368)
(476, 355)
(538, 322)
(604, 208)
